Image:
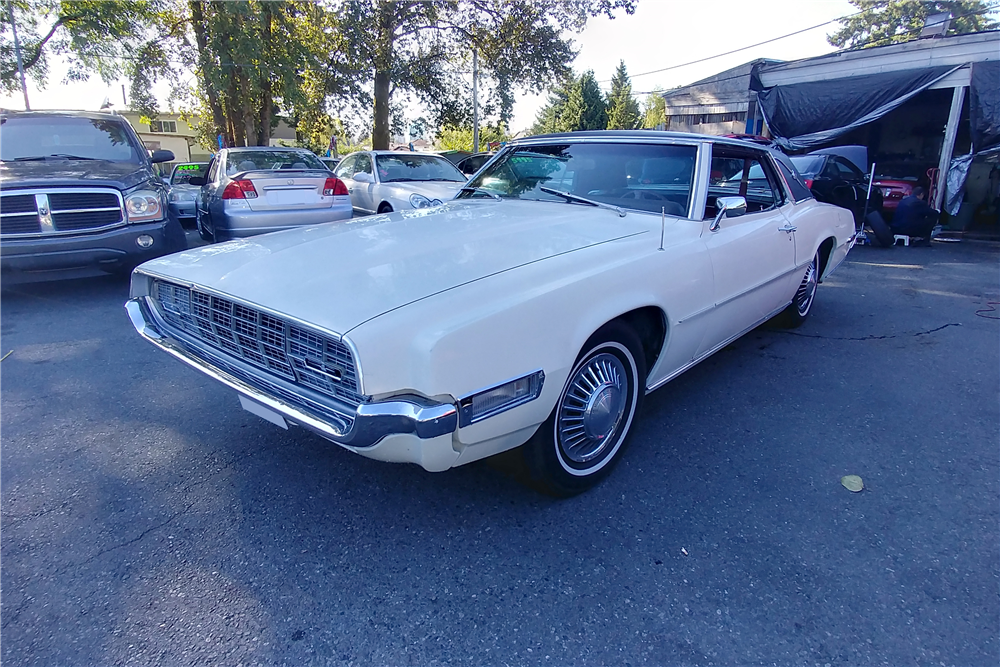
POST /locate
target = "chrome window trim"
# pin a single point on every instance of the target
(152, 275)
(45, 192)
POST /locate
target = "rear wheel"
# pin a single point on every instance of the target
(798, 310)
(384, 208)
(586, 434)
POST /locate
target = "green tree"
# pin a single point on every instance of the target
(654, 113)
(586, 108)
(418, 48)
(95, 36)
(623, 109)
(547, 119)
(892, 21)
(459, 138)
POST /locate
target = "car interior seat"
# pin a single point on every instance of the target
(246, 165)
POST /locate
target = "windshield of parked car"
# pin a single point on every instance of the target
(399, 168)
(647, 177)
(183, 173)
(38, 138)
(239, 161)
(808, 165)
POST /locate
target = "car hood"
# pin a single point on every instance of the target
(45, 173)
(340, 275)
(443, 190)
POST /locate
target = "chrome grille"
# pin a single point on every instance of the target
(288, 350)
(33, 212)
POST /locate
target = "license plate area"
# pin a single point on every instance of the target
(263, 412)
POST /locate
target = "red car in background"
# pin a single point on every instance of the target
(893, 191)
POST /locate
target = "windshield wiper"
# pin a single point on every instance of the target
(483, 191)
(58, 156)
(571, 197)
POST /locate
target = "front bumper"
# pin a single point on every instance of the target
(409, 429)
(25, 259)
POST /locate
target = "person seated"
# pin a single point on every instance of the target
(914, 217)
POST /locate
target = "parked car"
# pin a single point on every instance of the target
(470, 165)
(893, 190)
(386, 181)
(182, 196)
(834, 179)
(260, 189)
(534, 311)
(79, 197)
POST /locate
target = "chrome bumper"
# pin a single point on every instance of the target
(365, 427)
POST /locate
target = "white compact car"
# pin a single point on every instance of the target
(572, 276)
(386, 181)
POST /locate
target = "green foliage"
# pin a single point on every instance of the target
(894, 21)
(420, 49)
(623, 109)
(585, 109)
(655, 111)
(548, 118)
(459, 138)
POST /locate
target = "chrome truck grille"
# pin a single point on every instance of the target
(288, 350)
(65, 211)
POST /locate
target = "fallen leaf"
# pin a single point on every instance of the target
(684, 551)
(852, 483)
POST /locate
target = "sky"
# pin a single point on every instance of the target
(661, 34)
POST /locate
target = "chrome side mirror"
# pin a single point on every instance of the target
(363, 177)
(729, 207)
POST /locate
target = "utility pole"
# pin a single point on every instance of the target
(475, 100)
(17, 53)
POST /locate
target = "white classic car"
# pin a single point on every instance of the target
(386, 181)
(574, 275)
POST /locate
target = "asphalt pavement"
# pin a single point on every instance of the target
(148, 520)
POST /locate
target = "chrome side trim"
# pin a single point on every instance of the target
(693, 362)
(371, 422)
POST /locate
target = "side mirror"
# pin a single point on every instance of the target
(363, 177)
(162, 156)
(729, 207)
(197, 180)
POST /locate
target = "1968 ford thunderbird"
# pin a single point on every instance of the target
(573, 275)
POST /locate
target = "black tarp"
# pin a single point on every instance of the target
(809, 114)
(984, 105)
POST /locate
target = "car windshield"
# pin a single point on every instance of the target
(183, 173)
(648, 177)
(398, 168)
(30, 138)
(239, 161)
(808, 165)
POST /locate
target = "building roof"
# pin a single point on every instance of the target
(725, 92)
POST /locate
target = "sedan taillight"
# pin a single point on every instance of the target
(240, 190)
(334, 187)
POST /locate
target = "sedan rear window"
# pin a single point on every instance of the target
(647, 177)
(67, 137)
(239, 161)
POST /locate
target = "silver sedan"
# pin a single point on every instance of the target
(386, 181)
(256, 190)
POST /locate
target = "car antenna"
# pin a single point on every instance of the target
(663, 222)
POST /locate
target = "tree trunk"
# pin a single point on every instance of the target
(201, 38)
(264, 81)
(383, 66)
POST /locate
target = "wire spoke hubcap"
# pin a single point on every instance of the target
(807, 290)
(592, 408)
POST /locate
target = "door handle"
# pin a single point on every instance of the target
(788, 228)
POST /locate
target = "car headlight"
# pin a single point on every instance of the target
(143, 206)
(179, 196)
(420, 201)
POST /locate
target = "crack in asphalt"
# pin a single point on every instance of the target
(864, 338)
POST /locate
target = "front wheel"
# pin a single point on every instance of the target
(798, 310)
(586, 434)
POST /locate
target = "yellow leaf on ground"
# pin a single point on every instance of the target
(852, 483)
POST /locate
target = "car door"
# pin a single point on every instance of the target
(753, 255)
(205, 194)
(362, 194)
(345, 172)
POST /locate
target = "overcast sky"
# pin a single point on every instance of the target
(661, 34)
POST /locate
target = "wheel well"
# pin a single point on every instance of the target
(383, 206)
(650, 325)
(825, 251)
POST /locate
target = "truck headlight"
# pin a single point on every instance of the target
(143, 206)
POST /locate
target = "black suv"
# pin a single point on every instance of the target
(78, 197)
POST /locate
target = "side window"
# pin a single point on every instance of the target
(738, 172)
(799, 190)
(213, 170)
(848, 171)
(364, 163)
(346, 168)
